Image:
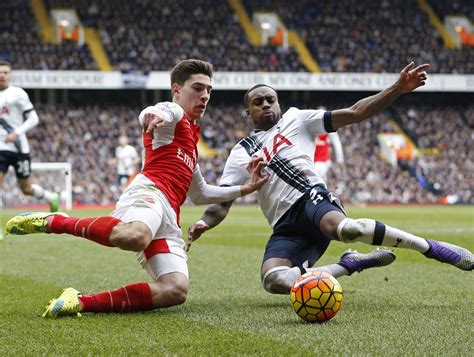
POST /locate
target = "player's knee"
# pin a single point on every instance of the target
(350, 230)
(130, 236)
(279, 280)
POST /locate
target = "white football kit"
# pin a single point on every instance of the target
(125, 156)
(17, 115)
(288, 147)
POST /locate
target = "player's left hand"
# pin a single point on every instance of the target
(11, 138)
(411, 77)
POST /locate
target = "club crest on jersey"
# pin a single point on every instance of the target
(188, 160)
(278, 142)
(4, 110)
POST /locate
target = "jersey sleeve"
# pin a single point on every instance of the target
(30, 116)
(24, 102)
(171, 112)
(235, 170)
(315, 121)
(202, 193)
(336, 144)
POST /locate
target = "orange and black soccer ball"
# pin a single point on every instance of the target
(316, 297)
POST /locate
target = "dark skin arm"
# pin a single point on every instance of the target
(213, 215)
(410, 78)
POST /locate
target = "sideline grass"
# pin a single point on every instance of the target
(415, 306)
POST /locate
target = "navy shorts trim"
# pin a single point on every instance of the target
(297, 236)
(20, 161)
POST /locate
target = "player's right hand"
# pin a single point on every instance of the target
(11, 138)
(195, 231)
(258, 175)
(152, 121)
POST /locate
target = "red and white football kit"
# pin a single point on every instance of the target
(322, 153)
(170, 172)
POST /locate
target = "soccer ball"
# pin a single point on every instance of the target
(316, 297)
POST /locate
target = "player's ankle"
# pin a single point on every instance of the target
(55, 223)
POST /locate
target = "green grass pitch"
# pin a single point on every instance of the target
(414, 307)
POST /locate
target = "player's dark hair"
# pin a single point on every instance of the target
(185, 69)
(5, 63)
(246, 96)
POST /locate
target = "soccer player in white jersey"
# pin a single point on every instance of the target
(305, 217)
(127, 160)
(323, 155)
(17, 116)
(146, 218)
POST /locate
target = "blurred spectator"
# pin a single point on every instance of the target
(370, 36)
(145, 35)
(148, 35)
(444, 8)
(86, 137)
(21, 44)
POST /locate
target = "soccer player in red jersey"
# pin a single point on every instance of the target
(146, 218)
(322, 153)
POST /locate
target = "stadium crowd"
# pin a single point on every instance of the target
(453, 8)
(87, 137)
(371, 36)
(448, 132)
(139, 35)
(21, 43)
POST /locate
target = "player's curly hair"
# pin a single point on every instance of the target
(185, 69)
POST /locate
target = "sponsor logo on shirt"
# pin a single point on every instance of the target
(278, 142)
(188, 160)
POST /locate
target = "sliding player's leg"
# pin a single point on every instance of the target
(373, 232)
(164, 260)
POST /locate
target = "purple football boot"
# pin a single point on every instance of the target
(353, 261)
(449, 253)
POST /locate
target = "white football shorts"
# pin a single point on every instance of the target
(143, 201)
(322, 168)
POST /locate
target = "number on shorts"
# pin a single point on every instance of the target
(24, 167)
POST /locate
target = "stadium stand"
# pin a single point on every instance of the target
(448, 8)
(21, 44)
(148, 35)
(381, 37)
(86, 136)
(344, 36)
(369, 36)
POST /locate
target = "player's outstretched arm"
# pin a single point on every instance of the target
(410, 78)
(202, 193)
(216, 213)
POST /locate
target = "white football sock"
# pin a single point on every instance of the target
(40, 193)
(377, 233)
(335, 270)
